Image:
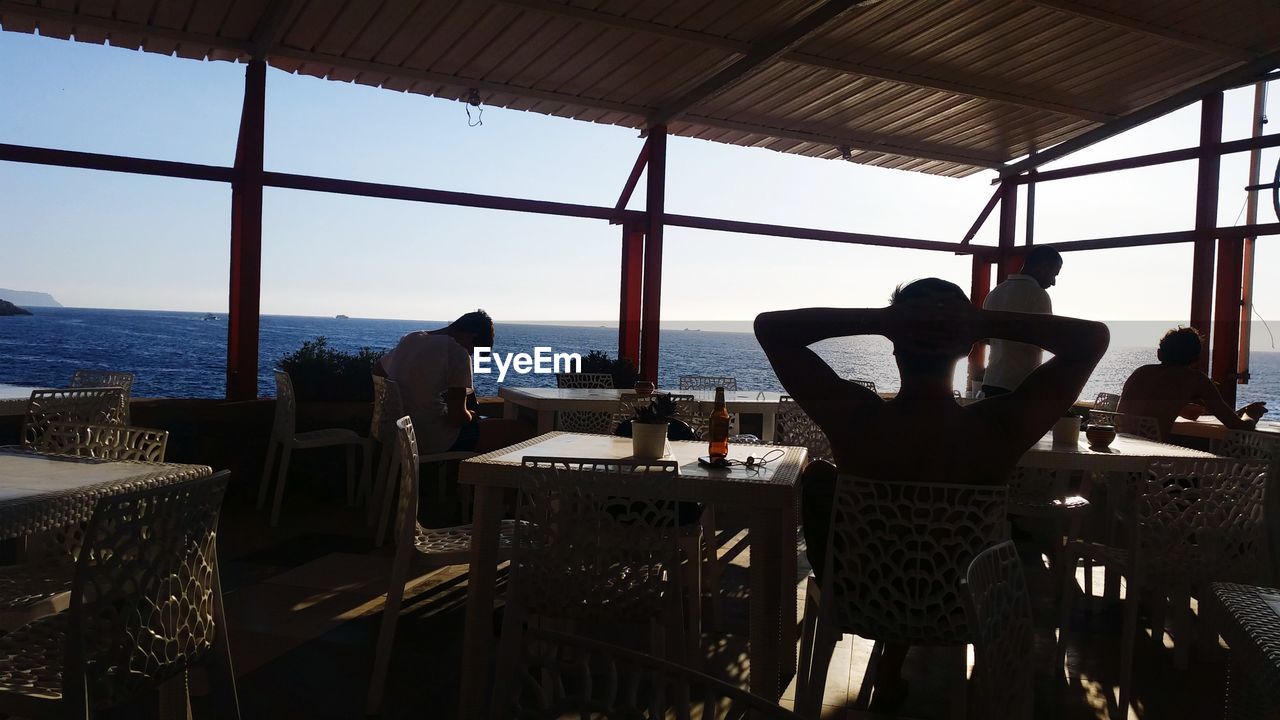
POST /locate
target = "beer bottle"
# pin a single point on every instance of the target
(718, 428)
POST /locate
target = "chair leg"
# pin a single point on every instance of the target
(388, 499)
(266, 472)
(385, 456)
(351, 475)
(809, 702)
(1130, 629)
(1068, 589)
(366, 471)
(691, 570)
(1183, 629)
(221, 674)
(174, 698)
(285, 452)
(387, 630)
(712, 568)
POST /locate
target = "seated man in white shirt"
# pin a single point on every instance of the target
(1011, 362)
(433, 370)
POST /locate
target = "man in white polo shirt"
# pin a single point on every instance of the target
(1011, 362)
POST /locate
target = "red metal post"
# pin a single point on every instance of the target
(1206, 220)
(1008, 228)
(246, 240)
(981, 285)
(632, 292)
(655, 207)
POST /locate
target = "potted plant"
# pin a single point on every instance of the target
(622, 369)
(652, 423)
(333, 388)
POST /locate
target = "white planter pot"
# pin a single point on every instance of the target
(1067, 431)
(648, 440)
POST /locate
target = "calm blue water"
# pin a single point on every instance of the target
(179, 354)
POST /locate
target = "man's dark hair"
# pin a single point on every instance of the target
(479, 324)
(926, 287)
(1041, 256)
(936, 288)
(1180, 346)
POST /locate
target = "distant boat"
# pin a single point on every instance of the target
(341, 317)
(210, 316)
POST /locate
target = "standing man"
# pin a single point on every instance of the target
(1024, 292)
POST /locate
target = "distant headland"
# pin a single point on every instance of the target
(8, 308)
(27, 298)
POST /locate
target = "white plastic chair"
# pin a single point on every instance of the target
(1042, 495)
(1188, 523)
(896, 555)
(598, 540)
(793, 426)
(998, 608)
(585, 421)
(81, 406)
(708, 382)
(416, 547)
(1252, 446)
(388, 408)
(286, 439)
(105, 378)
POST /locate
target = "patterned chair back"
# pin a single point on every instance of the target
(795, 427)
(999, 615)
(566, 676)
(598, 422)
(1106, 402)
(596, 539)
(106, 442)
(106, 378)
(898, 551)
(145, 598)
(868, 384)
(687, 410)
(1140, 425)
(708, 382)
(1203, 520)
(407, 526)
(599, 381)
(286, 417)
(387, 409)
(83, 406)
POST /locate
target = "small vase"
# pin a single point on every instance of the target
(648, 440)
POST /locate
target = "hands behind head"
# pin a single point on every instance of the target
(934, 326)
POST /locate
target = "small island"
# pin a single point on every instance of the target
(8, 308)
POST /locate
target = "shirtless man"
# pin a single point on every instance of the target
(923, 434)
(1163, 391)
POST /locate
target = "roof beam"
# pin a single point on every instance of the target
(111, 25)
(270, 28)
(856, 141)
(962, 86)
(1241, 74)
(1107, 17)
(759, 57)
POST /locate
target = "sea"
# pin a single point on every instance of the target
(183, 354)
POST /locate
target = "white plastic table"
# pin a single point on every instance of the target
(770, 496)
(1211, 428)
(40, 492)
(546, 402)
(1127, 453)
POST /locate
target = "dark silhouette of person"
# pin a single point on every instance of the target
(923, 434)
(1176, 386)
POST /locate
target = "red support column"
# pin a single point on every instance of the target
(1008, 228)
(246, 240)
(632, 292)
(655, 207)
(981, 285)
(1206, 220)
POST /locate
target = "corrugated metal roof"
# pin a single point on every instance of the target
(937, 87)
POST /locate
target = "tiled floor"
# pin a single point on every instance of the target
(304, 605)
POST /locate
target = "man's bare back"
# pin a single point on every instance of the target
(1162, 391)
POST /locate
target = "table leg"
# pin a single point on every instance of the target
(477, 639)
(768, 418)
(510, 410)
(546, 421)
(766, 632)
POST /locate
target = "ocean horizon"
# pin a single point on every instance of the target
(183, 354)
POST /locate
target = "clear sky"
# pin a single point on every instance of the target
(115, 240)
